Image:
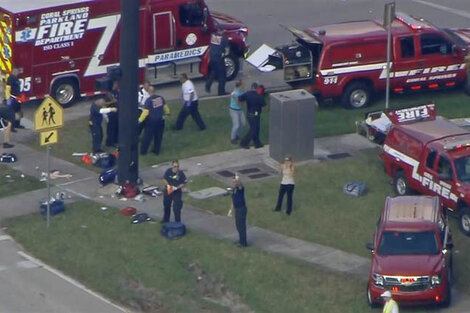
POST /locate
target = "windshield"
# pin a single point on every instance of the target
(462, 166)
(397, 242)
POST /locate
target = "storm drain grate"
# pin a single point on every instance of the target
(226, 174)
(261, 175)
(247, 171)
(337, 156)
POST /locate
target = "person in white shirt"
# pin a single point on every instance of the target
(287, 184)
(142, 96)
(190, 105)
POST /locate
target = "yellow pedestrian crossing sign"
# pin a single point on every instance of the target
(49, 137)
(49, 115)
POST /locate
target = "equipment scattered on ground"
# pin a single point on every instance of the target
(108, 176)
(55, 207)
(128, 211)
(151, 190)
(8, 158)
(355, 189)
(173, 230)
(141, 218)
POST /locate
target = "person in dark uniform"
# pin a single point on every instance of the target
(112, 128)
(217, 67)
(13, 89)
(254, 104)
(190, 106)
(8, 117)
(175, 180)
(154, 127)
(239, 204)
(96, 118)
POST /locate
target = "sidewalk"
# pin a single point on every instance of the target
(84, 184)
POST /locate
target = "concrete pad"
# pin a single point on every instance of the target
(208, 193)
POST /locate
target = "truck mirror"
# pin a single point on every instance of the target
(370, 246)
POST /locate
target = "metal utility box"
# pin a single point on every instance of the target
(291, 125)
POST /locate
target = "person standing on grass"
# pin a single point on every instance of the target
(236, 113)
(95, 120)
(190, 106)
(174, 180)
(287, 184)
(154, 127)
(239, 204)
(254, 105)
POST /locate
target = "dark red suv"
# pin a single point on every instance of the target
(411, 253)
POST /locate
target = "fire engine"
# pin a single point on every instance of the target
(428, 154)
(62, 46)
(348, 60)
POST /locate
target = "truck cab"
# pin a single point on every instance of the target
(411, 253)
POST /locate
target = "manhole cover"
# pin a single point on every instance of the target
(226, 174)
(336, 156)
(261, 175)
(249, 170)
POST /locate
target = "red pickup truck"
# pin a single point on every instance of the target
(428, 154)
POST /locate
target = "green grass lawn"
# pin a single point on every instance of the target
(13, 182)
(331, 119)
(135, 266)
(322, 213)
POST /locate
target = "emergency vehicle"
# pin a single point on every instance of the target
(429, 154)
(62, 46)
(348, 60)
(411, 253)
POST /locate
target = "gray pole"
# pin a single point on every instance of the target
(390, 16)
(48, 169)
(129, 49)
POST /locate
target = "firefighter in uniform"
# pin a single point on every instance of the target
(95, 120)
(112, 128)
(254, 104)
(175, 181)
(217, 67)
(154, 127)
(12, 92)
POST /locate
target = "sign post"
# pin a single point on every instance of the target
(389, 16)
(48, 118)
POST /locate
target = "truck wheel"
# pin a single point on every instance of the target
(232, 64)
(448, 299)
(466, 86)
(369, 299)
(400, 184)
(65, 91)
(356, 95)
(464, 220)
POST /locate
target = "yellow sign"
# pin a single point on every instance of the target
(49, 137)
(49, 115)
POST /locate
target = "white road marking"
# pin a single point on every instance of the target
(70, 280)
(74, 192)
(443, 8)
(76, 181)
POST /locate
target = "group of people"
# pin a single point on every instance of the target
(10, 112)
(153, 110)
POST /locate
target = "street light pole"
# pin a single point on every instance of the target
(128, 112)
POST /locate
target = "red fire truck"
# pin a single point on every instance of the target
(348, 60)
(62, 46)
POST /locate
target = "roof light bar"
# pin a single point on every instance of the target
(412, 22)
